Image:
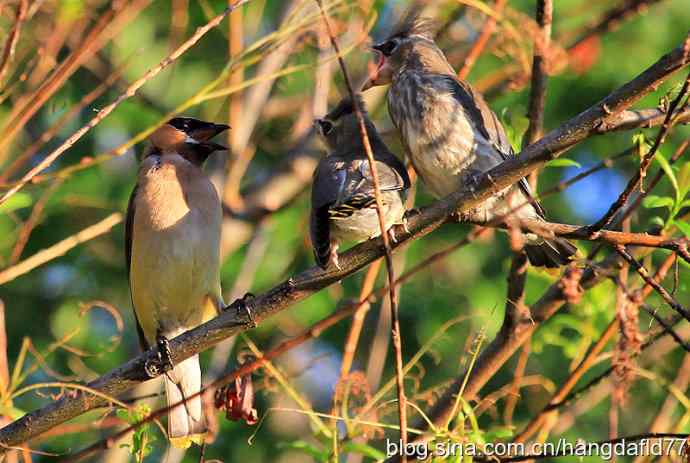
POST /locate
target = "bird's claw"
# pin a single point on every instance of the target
(244, 308)
(162, 362)
(333, 258)
(472, 179)
(391, 236)
(405, 224)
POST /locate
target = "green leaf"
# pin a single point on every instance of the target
(123, 414)
(563, 162)
(16, 201)
(654, 201)
(684, 178)
(364, 449)
(656, 220)
(639, 139)
(666, 167)
(683, 227)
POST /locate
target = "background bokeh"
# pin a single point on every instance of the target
(46, 304)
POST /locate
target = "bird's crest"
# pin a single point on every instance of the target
(412, 23)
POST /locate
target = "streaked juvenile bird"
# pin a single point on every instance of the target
(343, 203)
(173, 257)
(450, 133)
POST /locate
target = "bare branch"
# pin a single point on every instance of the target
(60, 248)
(537, 421)
(131, 91)
(636, 180)
(397, 341)
(482, 39)
(12, 38)
(642, 271)
(311, 280)
(537, 96)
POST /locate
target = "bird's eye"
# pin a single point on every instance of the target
(326, 127)
(388, 47)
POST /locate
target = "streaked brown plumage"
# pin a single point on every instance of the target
(172, 238)
(343, 199)
(450, 133)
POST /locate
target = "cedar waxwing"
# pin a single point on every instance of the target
(343, 203)
(173, 257)
(450, 133)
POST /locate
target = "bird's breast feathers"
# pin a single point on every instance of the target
(443, 142)
(176, 244)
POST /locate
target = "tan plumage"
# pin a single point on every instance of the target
(450, 133)
(172, 248)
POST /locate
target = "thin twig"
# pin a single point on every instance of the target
(537, 421)
(311, 333)
(107, 26)
(131, 91)
(12, 38)
(614, 18)
(54, 129)
(255, 99)
(231, 190)
(31, 222)
(59, 249)
(642, 271)
(397, 341)
(550, 229)
(482, 39)
(537, 96)
(636, 180)
(358, 320)
(306, 283)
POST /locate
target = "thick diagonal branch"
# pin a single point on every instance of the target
(312, 280)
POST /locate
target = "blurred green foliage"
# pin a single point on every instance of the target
(45, 304)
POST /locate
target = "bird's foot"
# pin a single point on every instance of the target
(333, 257)
(391, 236)
(162, 362)
(244, 308)
(405, 223)
(472, 179)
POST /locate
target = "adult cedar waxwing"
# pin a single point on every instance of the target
(450, 133)
(343, 203)
(173, 257)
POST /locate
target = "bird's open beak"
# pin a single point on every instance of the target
(208, 131)
(380, 73)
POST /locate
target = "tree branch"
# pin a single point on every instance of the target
(311, 280)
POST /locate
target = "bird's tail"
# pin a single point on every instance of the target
(550, 253)
(186, 423)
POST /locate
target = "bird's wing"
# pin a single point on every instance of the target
(129, 228)
(129, 235)
(490, 127)
(358, 191)
(342, 186)
(327, 186)
(392, 172)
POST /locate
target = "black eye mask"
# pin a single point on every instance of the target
(186, 124)
(387, 48)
